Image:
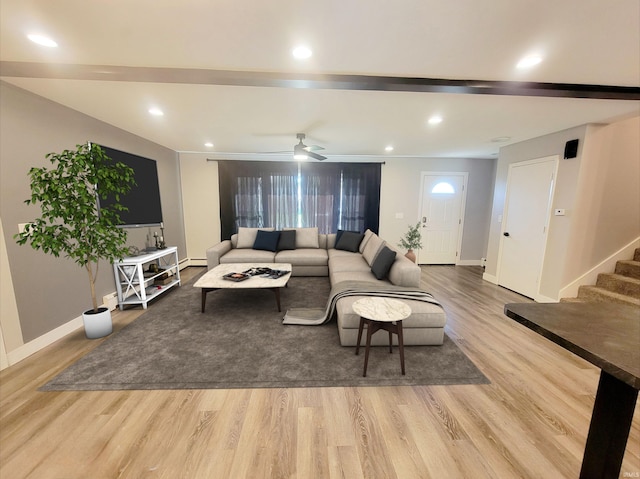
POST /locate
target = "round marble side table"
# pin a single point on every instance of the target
(380, 313)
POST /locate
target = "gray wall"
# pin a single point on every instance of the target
(52, 291)
(400, 193)
(599, 191)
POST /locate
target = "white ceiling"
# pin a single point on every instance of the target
(592, 42)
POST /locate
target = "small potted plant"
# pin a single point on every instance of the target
(72, 222)
(411, 240)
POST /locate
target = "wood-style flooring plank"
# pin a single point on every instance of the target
(531, 421)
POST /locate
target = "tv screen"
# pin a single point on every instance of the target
(143, 200)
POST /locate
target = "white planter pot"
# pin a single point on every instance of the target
(97, 325)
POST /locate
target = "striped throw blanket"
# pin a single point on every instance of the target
(318, 316)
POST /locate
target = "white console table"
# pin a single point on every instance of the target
(137, 285)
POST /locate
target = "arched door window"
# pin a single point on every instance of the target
(443, 188)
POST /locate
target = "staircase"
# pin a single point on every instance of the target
(622, 286)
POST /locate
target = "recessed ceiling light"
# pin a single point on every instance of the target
(42, 40)
(500, 139)
(388, 148)
(156, 111)
(302, 52)
(208, 144)
(528, 62)
(434, 120)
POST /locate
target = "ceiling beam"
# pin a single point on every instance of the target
(312, 80)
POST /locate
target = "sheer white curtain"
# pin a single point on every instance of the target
(282, 201)
(248, 210)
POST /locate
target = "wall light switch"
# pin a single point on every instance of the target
(558, 212)
(399, 216)
(499, 218)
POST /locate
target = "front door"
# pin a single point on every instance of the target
(524, 228)
(441, 216)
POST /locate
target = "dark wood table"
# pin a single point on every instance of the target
(608, 336)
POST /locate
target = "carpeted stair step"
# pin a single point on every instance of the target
(571, 300)
(628, 268)
(619, 284)
(596, 294)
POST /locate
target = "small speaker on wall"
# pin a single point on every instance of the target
(570, 149)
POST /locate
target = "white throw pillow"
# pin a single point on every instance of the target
(365, 240)
(306, 238)
(247, 236)
(371, 249)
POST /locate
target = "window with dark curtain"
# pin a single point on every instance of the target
(329, 196)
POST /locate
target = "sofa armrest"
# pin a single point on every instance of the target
(404, 272)
(216, 252)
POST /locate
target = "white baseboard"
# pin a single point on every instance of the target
(491, 278)
(198, 262)
(469, 262)
(60, 332)
(43, 341)
(545, 299)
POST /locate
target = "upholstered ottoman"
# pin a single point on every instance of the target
(425, 326)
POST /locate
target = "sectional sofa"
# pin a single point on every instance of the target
(345, 256)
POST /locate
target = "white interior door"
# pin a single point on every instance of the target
(524, 228)
(441, 214)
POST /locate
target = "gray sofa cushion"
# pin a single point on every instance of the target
(348, 262)
(423, 315)
(246, 255)
(304, 256)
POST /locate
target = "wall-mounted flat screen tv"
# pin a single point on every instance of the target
(143, 200)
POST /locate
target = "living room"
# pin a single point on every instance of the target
(42, 296)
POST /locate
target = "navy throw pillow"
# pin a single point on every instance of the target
(267, 240)
(287, 240)
(382, 264)
(349, 241)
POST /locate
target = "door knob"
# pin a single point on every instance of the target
(506, 233)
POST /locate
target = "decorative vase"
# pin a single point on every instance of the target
(411, 255)
(97, 324)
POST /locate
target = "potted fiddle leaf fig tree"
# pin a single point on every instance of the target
(411, 240)
(73, 224)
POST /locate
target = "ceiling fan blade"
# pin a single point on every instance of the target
(314, 148)
(316, 156)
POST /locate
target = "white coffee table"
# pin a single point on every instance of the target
(380, 313)
(213, 280)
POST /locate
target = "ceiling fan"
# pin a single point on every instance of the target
(304, 152)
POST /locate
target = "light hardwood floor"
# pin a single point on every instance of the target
(530, 422)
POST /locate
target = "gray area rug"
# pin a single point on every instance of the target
(240, 342)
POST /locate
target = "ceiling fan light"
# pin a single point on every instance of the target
(299, 153)
(302, 52)
(42, 40)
